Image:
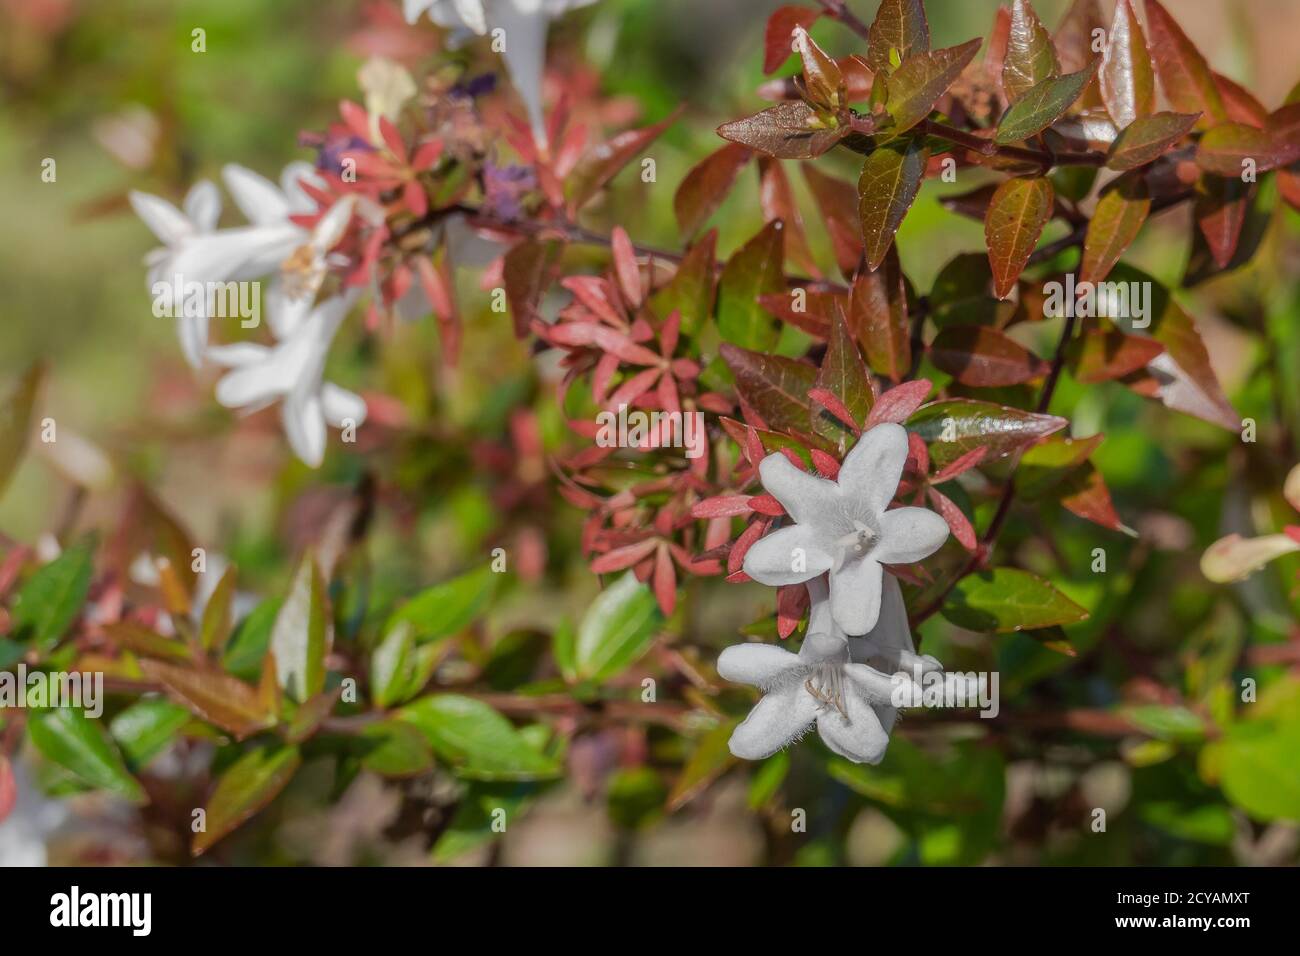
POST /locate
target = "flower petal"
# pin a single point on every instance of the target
(859, 737)
(291, 186)
(304, 425)
(909, 534)
(342, 407)
(775, 721)
(250, 385)
(163, 219)
(238, 353)
(760, 665)
(193, 333)
(875, 687)
(525, 53)
(285, 312)
(855, 595)
(257, 197)
(203, 205)
(891, 630)
(810, 500)
(772, 559)
(870, 473)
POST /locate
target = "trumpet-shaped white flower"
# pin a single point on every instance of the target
(290, 372)
(178, 229)
(831, 682)
(843, 527)
(523, 24)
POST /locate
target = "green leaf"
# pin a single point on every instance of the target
(1120, 214)
(477, 814)
(1128, 84)
(50, 600)
(635, 797)
(252, 638)
(1259, 770)
(477, 740)
(303, 634)
(395, 749)
(246, 787)
(890, 180)
(1148, 138)
(72, 740)
(16, 422)
(707, 763)
(1042, 106)
(917, 85)
(1008, 599)
(399, 668)
(957, 426)
(899, 31)
(1018, 211)
(756, 268)
(690, 291)
(618, 628)
(1031, 57)
(446, 609)
(1184, 75)
(146, 728)
(775, 387)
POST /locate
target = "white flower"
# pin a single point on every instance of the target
(523, 24)
(843, 527)
(830, 682)
(290, 372)
(177, 231)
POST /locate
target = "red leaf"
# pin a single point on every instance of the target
(984, 357)
(625, 266)
(1031, 55)
(1102, 356)
(833, 405)
(721, 506)
(959, 466)
(527, 273)
(624, 557)
(825, 464)
(890, 180)
(837, 202)
(916, 86)
(878, 317)
(604, 161)
(1128, 85)
(707, 185)
(791, 603)
(1184, 75)
(777, 45)
(665, 583)
(1121, 211)
(1220, 210)
(774, 386)
(1017, 214)
(778, 203)
(898, 404)
(958, 523)
(766, 505)
(789, 130)
(8, 788)
(1090, 499)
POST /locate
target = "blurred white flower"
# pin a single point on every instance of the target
(523, 25)
(843, 527)
(290, 372)
(34, 817)
(179, 231)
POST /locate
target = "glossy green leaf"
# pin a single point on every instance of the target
(50, 600)
(954, 427)
(394, 748)
(446, 609)
(1042, 106)
(303, 634)
(916, 86)
(147, 727)
(756, 269)
(79, 744)
(477, 740)
(1008, 599)
(618, 628)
